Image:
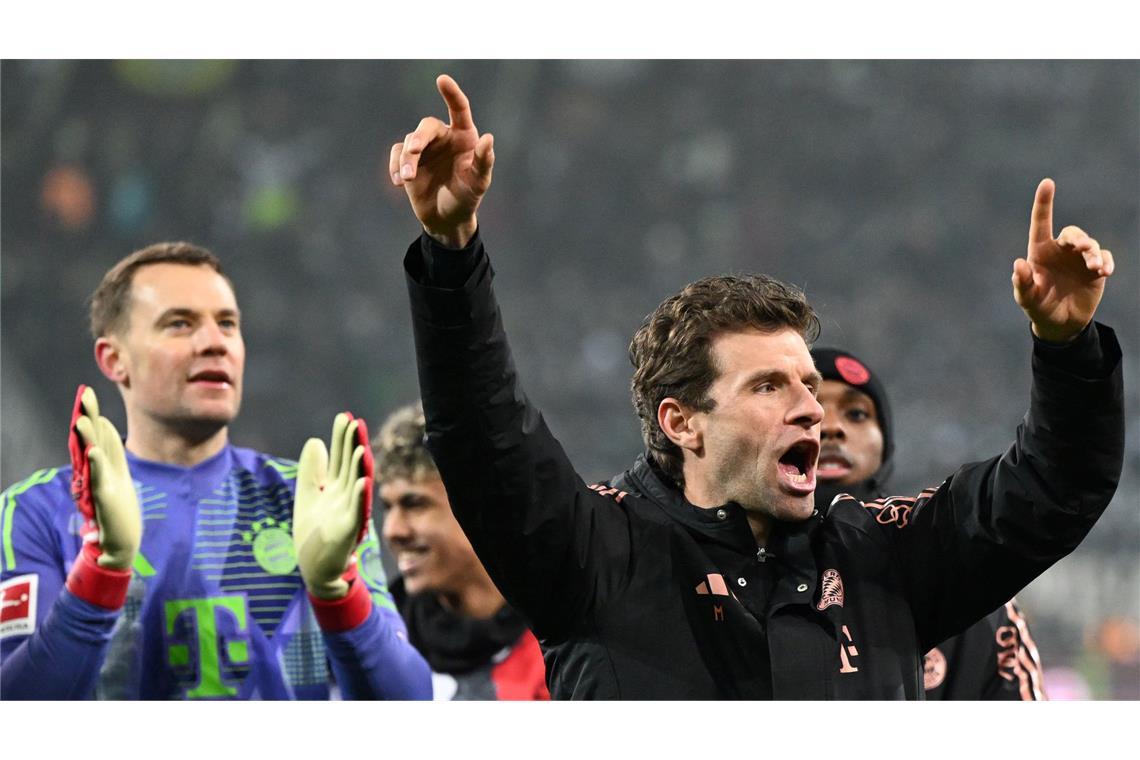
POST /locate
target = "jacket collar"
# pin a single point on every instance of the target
(789, 543)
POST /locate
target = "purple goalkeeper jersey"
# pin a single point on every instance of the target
(216, 607)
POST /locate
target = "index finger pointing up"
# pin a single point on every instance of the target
(1041, 223)
(458, 108)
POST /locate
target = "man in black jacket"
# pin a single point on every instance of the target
(713, 575)
(993, 659)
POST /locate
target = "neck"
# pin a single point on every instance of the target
(159, 443)
(477, 598)
(760, 525)
(700, 493)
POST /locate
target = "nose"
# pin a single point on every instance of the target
(832, 428)
(395, 528)
(806, 412)
(210, 339)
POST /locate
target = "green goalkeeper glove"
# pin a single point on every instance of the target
(330, 507)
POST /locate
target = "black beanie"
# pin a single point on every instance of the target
(836, 364)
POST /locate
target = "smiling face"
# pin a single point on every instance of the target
(758, 445)
(432, 552)
(851, 439)
(180, 358)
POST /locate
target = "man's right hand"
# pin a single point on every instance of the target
(109, 487)
(445, 169)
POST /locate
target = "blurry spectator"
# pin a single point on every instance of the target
(1111, 660)
(68, 196)
(477, 646)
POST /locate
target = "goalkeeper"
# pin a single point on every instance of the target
(181, 566)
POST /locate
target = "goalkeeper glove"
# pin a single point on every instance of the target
(332, 508)
(105, 494)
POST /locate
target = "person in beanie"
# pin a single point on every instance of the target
(477, 646)
(993, 659)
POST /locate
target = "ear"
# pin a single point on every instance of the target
(112, 362)
(681, 424)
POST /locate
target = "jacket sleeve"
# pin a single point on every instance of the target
(991, 528)
(995, 659)
(373, 659)
(54, 647)
(555, 548)
(1017, 674)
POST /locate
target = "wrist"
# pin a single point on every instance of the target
(104, 587)
(328, 590)
(457, 236)
(1056, 334)
(337, 615)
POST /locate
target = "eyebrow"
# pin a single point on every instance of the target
(770, 374)
(182, 311)
(407, 499)
(854, 394)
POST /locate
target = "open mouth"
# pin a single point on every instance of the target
(408, 561)
(798, 465)
(833, 464)
(212, 377)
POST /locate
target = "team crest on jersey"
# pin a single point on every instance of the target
(18, 615)
(831, 591)
(272, 546)
(933, 669)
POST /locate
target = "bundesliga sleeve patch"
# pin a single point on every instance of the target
(18, 616)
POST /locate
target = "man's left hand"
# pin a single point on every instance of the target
(1061, 281)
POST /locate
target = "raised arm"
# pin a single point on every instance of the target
(548, 542)
(367, 641)
(994, 526)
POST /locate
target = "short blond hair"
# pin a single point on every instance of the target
(399, 449)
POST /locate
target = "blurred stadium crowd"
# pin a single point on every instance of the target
(896, 193)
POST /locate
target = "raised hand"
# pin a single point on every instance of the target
(330, 509)
(445, 168)
(1060, 282)
(104, 489)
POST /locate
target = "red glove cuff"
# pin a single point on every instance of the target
(102, 586)
(338, 615)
